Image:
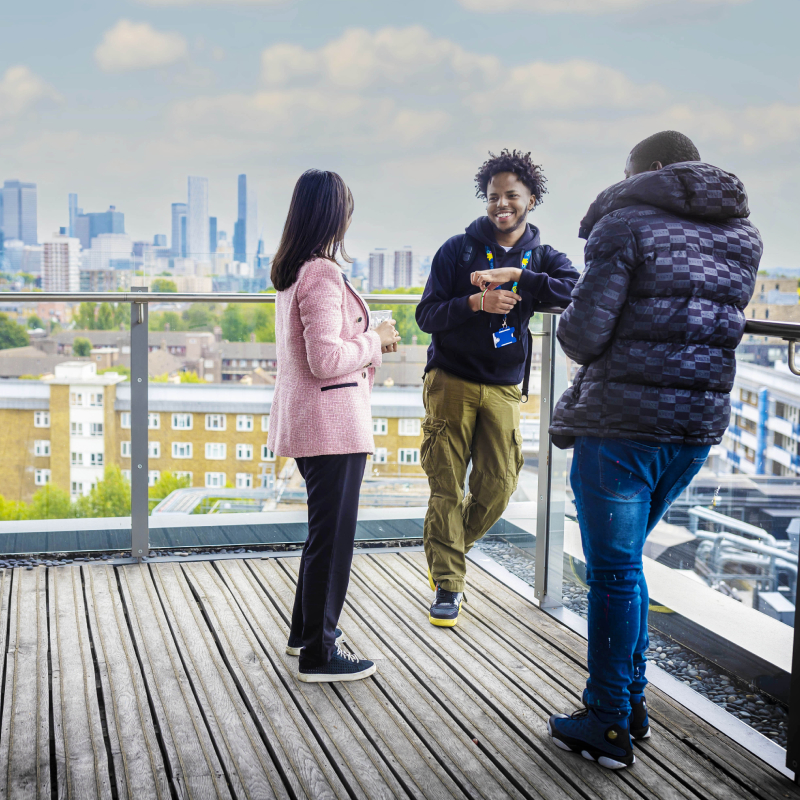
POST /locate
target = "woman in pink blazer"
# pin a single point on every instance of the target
(321, 414)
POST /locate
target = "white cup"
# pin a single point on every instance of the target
(377, 317)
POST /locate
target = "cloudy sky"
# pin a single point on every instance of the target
(120, 100)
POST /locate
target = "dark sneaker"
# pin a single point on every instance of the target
(294, 647)
(445, 608)
(609, 745)
(342, 667)
(640, 721)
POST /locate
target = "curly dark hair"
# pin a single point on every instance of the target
(517, 162)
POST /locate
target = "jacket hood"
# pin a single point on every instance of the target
(688, 189)
(483, 230)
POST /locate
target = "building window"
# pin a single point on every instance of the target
(76, 398)
(244, 422)
(125, 419)
(153, 477)
(184, 475)
(380, 456)
(76, 459)
(408, 455)
(244, 452)
(126, 473)
(76, 488)
(41, 419)
(215, 480)
(41, 447)
(266, 453)
(181, 422)
(215, 422)
(154, 421)
(267, 480)
(215, 451)
(265, 422)
(380, 427)
(181, 449)
(96, 429)
(96, 459)
(96, 400)
(125, 449)
(41, 477)
(154, 449)
(244, 480)
(408, 427)
(76, 428)
(751, 398)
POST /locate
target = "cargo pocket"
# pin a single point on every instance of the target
(434, 450)
(515, 462)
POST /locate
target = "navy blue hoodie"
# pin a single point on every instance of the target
(462, 341)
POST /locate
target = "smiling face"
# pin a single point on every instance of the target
(508, 201)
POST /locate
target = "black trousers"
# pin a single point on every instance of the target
(334, 485)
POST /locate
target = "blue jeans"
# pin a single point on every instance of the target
(622, 489)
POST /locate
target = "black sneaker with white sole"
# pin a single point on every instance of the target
(342, 667)
(294, 646)
(640, 721)
(609, 744)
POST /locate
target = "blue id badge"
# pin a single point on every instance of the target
(503, 337)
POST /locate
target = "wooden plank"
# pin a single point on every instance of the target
(196, 770)
(392, 738)
(139, 766)
(237, 737)
(24, 745)
(86, 772)
(254, 672)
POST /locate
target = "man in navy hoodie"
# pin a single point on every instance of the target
(483, 288)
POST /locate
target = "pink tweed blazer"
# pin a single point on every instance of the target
(326, 365)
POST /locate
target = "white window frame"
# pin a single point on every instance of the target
(215, 480)
(76, 429)
(380, 456)
(216, 418)
(267, 454)
(265, 423)
(154, 449)
(408, 456)
(125, 449)
(41, 448)
(181, 417)
(41, 419)
(407, 426)
(380, 426)
(125, 419)
(244, 480)
(153, 477)
(76, 488)
(211, 448)
(41, 477)
(76, 399)
(96, 460)
(244, 422)
(182, 474)
(96, 400)
(76, 459)
(244, 452)
(95, 429)
(154, 421)
(176, 449)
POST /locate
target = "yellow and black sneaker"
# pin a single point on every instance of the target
(445, 608)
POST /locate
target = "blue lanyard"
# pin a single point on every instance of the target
(524, 261)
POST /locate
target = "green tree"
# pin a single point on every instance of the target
(164, 285)
(85, 320)
(404, 316)
(105, 317)
(120, 370)
(35, 322)
(50, 502)
(111, 497)
(12, 334)
(264, 322)
(122, 316)
(235, 326)
(12, 509)
(200, 315)
(190, 377)
(166, 484)
(81, 347)
(28, 279)
(160, 320)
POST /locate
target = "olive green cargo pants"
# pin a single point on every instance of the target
(463, 421)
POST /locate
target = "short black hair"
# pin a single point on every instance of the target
(668, 147)
(517, 162)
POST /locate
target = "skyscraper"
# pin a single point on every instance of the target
(212, 235)
(197, 234)
(245, 231)
(89, 226)
(379, 270)
(403, 268)
(74, 213)
(61, 262)
(19, 211)
(178, 228)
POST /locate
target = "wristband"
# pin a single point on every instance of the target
(483, 294)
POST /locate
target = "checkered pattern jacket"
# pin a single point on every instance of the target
(671, 262)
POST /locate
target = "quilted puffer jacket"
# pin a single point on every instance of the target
(671, 262)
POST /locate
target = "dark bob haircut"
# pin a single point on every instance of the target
(517, 162)
(315, 226)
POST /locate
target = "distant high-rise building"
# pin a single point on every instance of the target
(74, 213)
(403, 268)
(197, 235)
(380, 270)
(88, 226)
(245, 231)
(160, 240)
(19, 211)
(109, 251)
(179, 230)
(61, 261)
(212, 235)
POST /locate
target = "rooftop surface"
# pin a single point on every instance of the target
(171, 680)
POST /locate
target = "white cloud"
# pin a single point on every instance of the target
(578, 6)
(137, 45)
(20, 89)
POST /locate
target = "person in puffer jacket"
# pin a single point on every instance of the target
(671, 262)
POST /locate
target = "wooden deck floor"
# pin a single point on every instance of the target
(171, 681)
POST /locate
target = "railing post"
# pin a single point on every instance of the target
(551, 491)
(140, 522)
